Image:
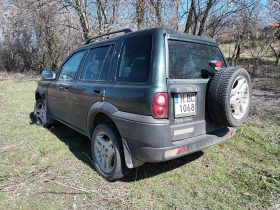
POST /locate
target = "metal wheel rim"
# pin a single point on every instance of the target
(239, 97)
(41, 114)
(104, 152)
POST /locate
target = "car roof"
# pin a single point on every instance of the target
(189, 37)
(173, 35)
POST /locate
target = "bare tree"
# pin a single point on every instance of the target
(140, 12)
(198, 13)
(158, 7)
(37, 34)
(274, 30)
(244, 25)
(80, 6)
(275, 47)
(33, 35)
(107, 14)
(192, 10)
(204, 16)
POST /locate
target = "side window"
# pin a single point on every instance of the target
(69, 69)
(106, 66)
(98, 63)
(135, 60)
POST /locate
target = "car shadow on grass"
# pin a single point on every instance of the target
(153, 169)
(77, 143)
(80, 146)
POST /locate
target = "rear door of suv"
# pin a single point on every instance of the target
(131, 76)
(189, 71)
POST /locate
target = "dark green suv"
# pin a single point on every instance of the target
(145, 96)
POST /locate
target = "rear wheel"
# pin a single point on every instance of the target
(107, 152)
(42, 115)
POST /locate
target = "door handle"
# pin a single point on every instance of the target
(63, 87)
(96, 90)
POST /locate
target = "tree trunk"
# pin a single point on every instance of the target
(205, 15)
(276, 54)
(238, 51)
(157, 6)
(84, 25)
(99, 17)
(236, 54)
(195, 22)
(140, 12)
(190, 17)
(81, 8)
(277, 59)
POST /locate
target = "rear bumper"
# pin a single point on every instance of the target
(190, 145)
(149, 140)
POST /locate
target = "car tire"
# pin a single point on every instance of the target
(107, 152)
(42, 115)
(229, 96)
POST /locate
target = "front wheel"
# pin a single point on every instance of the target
(107, 152)
(42, 115)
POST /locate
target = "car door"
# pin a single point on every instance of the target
(91, 85)
(59, 90)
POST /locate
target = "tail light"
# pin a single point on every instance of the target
(160, 106)
(231, 133)
(175, 152)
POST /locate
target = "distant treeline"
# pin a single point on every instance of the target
(37, 34)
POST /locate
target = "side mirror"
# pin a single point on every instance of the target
(48, 75)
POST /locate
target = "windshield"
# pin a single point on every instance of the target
(191, 60)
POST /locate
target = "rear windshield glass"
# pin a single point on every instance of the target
(191, 60)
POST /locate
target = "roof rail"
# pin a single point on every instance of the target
(125, 30)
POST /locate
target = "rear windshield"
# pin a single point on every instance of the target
(191, 60)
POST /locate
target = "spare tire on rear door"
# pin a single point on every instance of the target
(229, 96)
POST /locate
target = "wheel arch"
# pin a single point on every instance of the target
(100, 112)
(39, 94)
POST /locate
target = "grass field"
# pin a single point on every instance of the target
(52, 169)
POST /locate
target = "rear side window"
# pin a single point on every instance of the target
(97, 64)
(191, 60)
(135, 59)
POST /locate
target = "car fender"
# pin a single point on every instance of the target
(109, 109)
(99, 107)
(39, 91)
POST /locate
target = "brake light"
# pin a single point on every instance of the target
(216, 63)
(182, 150)
(160, 106)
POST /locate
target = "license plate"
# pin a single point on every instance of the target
(185, 104)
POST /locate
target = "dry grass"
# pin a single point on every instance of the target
(52, 169)
(19, 76)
